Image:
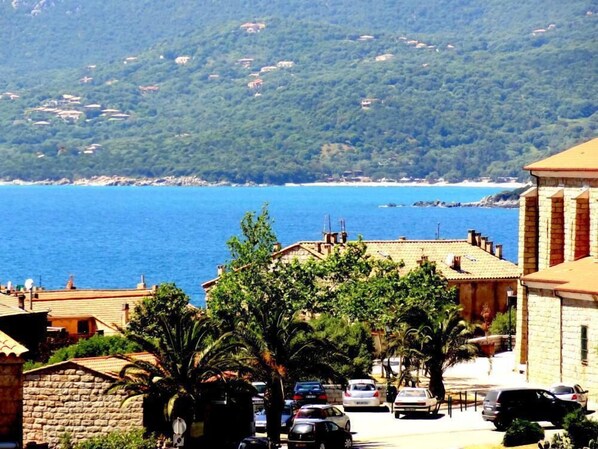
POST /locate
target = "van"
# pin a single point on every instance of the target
(501, 406)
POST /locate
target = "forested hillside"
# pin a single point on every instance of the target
(295, 91)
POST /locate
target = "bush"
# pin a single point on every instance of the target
(97, 345)
(580, 429)
(522, 432)
(500, 323)
(132, 439)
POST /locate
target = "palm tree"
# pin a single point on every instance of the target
(444, 342)
(188, 357)
(281, 349)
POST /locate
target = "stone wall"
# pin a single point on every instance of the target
(555, 336)
(71, 399)
(11, 398)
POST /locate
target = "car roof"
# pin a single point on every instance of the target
(362, 381)
(564, 384)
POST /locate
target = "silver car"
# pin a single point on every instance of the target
(361, 393)
(325, 412)
(571, 392)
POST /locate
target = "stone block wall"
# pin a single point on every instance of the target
(544, 337)
(11, 398)
(74, 400)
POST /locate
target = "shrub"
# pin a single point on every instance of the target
(500, 323)
(522, 432)
(580, 429)
(132, 439)
(95, 346)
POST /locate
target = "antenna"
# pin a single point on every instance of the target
(438, 231)
(342, 223)
(327, 224)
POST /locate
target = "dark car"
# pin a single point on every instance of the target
(254, 443)
(502, 406)
(288, 411)
(309, 392)
(318, 434)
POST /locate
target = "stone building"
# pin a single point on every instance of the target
(70, 397)
(11, 390)
(557, 313)
(475, 266)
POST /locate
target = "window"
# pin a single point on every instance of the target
(584, 345)
(83, 327)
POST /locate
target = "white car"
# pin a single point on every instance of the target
(361, 393)
(571, 392)
(413, 400)
(319, 412)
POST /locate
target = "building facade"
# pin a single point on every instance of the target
(557, 313)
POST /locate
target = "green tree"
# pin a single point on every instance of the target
(168, 302)
(444, 342)
(188, 354)
(260, 300)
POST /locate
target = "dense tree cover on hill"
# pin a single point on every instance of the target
(456, 89)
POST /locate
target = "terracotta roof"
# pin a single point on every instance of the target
(582, 157)
(9, 347)
(104, 305)
(476, 263)
(106, 365)
(580, 276)
(9, 310)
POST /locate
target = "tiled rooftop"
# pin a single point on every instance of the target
(476, 263)
(580, 276)
(105, 305)
(582, 157)
(9, 347)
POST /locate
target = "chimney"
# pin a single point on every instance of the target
(70, 285)
(478, 238)
(422, 259)
(221, 270)
(498, 252)
(277, 247)
(125, 314)
(489, 246)
(344, 237)
(483, 242)
(319, 247)
(457, 263)
(471, 236)
(141, 285)
(21, 302)
(402, 238)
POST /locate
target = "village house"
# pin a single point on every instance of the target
(82, 313)
(557, 312)
(70, 397)
(475, 266)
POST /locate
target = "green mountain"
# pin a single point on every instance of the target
(292, 91)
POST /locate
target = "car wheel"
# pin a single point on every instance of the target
(501, 423)
(397, 415)
(348, 426)
(348, 443)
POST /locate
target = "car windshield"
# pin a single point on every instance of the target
(308, 387)
(261, 388)
(303, 428)
(362, 387)
(562, 389)
(309, 413)
(412, 393)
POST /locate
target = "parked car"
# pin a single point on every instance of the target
(309, 392)
(413, 400)
(361, 393)
(322, 411)
(318, 434)
(285, 420)
(501, 406)
(571, 392)
(258, 399)
(254, 443)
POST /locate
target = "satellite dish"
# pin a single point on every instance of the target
(449, 260)
(29, 284)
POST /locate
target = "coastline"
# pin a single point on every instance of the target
(191, 181)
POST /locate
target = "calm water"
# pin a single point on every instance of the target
(107, 237)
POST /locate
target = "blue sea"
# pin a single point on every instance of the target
(108, 237)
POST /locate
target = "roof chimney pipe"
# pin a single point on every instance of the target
(471, 236)
(498, 252)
